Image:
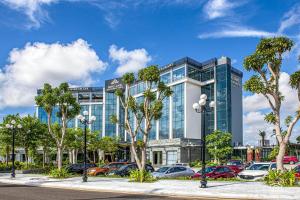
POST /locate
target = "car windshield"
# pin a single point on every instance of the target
(207, 170)
(259, 167)
(162, 169)
(234, 162)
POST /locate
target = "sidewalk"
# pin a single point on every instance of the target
(239, 190)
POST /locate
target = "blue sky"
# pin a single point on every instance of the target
(98, 39)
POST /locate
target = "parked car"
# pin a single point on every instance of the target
(216, 172)
(173, 172)
(257, 171)
(78, 168)
(236, 165)
(288, 160)
(297, 171)
(235, 168)
(95, 171)
(126, 169)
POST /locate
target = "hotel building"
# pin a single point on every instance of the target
(176, 137)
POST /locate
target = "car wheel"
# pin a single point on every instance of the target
(292, 162)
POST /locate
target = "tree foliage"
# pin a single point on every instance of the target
(144, 112)
(218, 145)
(266, 64)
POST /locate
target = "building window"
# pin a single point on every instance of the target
(82, 108)
(139, 101)
(171, 157)
(84, 97)
(223, 98)
(209, 119)
(141, 87)
(152, 133)
(178, 74)
(194, 73)
(207, 74)
(164, 120)
(97, 112)
(110, 109)
(97, 97)
(178, 111)
(166, 78)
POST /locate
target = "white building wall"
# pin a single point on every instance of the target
(193, 119)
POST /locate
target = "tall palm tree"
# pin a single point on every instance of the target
(262, 134)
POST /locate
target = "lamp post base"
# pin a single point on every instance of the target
(203, 184)
(84, 179)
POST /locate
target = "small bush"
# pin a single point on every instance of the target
(280, 178)
(141, 176)
(56, 173)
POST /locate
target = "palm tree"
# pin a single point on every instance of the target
(262, 134)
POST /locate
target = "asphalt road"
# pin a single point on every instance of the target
(22, 192)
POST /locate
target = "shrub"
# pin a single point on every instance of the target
(280, 178)
(141, 176)
(273, 153)
(56, 173)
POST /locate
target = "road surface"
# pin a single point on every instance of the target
(23, 192)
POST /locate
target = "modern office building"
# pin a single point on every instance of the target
(176, 137)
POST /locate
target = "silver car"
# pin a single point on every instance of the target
(173, 172)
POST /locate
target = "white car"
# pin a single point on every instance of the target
(256, 171)
(173, 171)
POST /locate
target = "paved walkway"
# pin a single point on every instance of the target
(239, 190)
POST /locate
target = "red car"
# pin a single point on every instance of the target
(216, 172)
(289, 160)
(236, 169)
(297, 171)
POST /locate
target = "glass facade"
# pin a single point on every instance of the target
(207, 74)
(209, 124)
(110, 109)
(164, 120)
(178, 73)
(139, 136)
(194, 73)
(97, 110)
(82, 108)
(152, 134)
(122, 120)
(223, 73)
(166, 78)
(178, 111)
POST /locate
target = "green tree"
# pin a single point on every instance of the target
(266, 63)
(262, 134)
(109, 145)
(298, 139)
(218, 145)
(68, 108)
(73, 143)
(142, 113)
(30, 134)
(6, 135)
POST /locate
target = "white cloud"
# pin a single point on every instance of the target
(256, 106)
(129, 61)
(219, 8)
(30, 67)
(31, 8)
(291, 18)
(234, 31)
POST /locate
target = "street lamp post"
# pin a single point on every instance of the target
(199, 107)
(84, 119)
(13, 127)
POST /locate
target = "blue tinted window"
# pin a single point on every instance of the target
(97, 112)
(110, 109)
(178, 74)
(209, 119)
(223, 92)
(82, 108)
(166, 78)
(164, 120)
(178, 111)
(207, 74)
